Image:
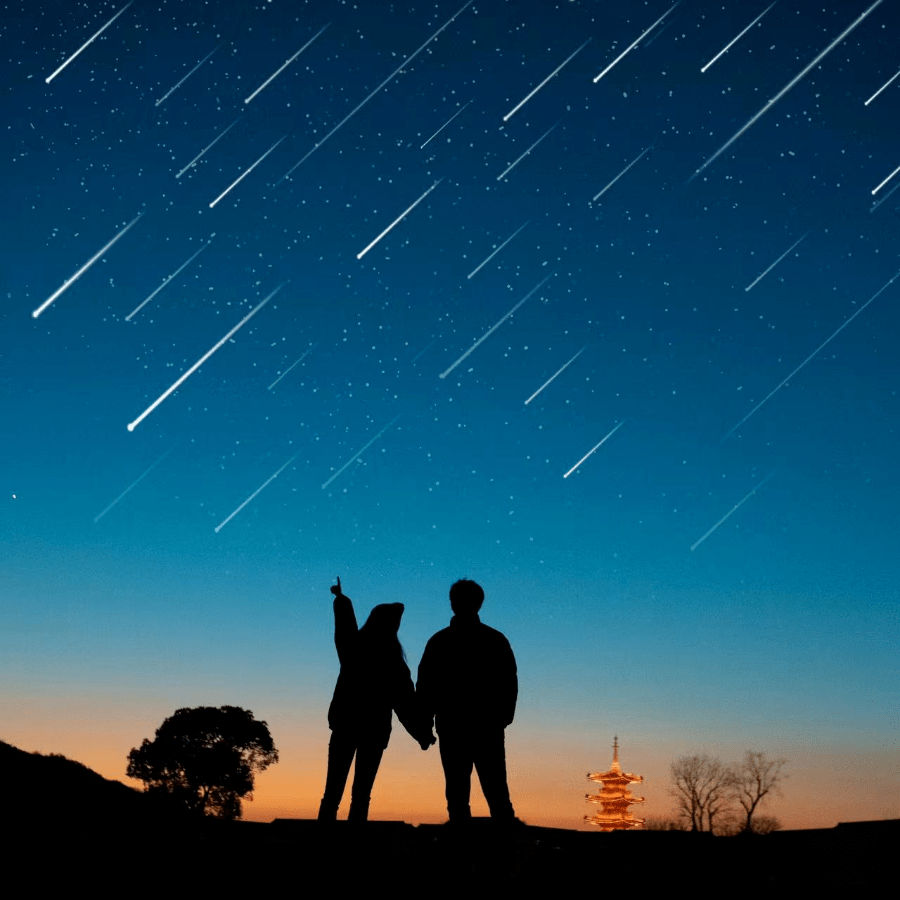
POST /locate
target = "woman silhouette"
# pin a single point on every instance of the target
(374, 680)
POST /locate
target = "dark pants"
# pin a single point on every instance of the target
(486, 751)
(341, 750)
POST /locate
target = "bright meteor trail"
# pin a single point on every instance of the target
(272, 77)
(521, 103)
(889, 81)
(780, 258)
(214, 141)
(596, 447)
(390, 77)
(203, 359)
(357, 455)
(510, 167)
(733, 509)
(397, 221)
(631, 47)
(256, 493)
(728, 46)
(477, 268)
(636, 159)
(70, 281)
(792, 83)
(494, 327)
(133, 484)
(88, 42)
(886, 180)
(553, 377)
(181, 268)
(244, 174)
(827, 340)
(183, 80)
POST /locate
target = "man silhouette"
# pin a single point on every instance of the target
(467, 682)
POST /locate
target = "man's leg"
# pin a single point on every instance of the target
(368, 759)
(489, 751)
(456, 758)
(340, 755)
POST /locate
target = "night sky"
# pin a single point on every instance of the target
(640, 255)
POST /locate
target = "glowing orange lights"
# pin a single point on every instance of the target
(614, 798)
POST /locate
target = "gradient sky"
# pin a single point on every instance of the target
(629, 611)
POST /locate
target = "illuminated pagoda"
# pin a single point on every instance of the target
(615, 798)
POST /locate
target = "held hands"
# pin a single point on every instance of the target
(426, 741)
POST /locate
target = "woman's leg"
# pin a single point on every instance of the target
(340, 754)
(368, 758)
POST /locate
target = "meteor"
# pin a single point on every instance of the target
(887, 196)
(208, 147)
(521, 103)
(444, 126)
(133, 484)
(269, 388)
(631, 47)
(183, 80)
(494, 327)
(827, 340)
(508, 169)
(780, 258)
(390, 77)
(477, 268)
(203, 359)
(596, 447)
(183, 266)
(286, 64)
(792, 83)
(553, 377)
(397, 221)
(886, 180)
(733, 509)
(87, 43)
(83, 269)
(889, 81)
(356, 456)
(638, 157)
(241, 177)
(256, 493)
(728, 46)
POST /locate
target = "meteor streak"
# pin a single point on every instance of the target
(286, 64)
(208, 147)
(356, 456)
(889, 81)
(183, 80)
(399, 219)
(444, 126)
(390, 77)
(83, 269)
(887, 196)
(241, 177)
(475, 270)
(183, 266)
(553, 377)
(596, 447)
(780, 258)
(521, 103)
(269, 388)
(886, 180)
(133, 484)
(509, 168)
(631, 47)
(203, 359)
(827, 340)
(87, 43)
(256, 493)
(733, 509)
(638, 157)
(728, 46)
(494, 327)
(792, 83)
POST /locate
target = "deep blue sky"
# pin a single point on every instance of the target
(778, 631)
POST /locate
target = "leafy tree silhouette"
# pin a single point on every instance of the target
(205, 758)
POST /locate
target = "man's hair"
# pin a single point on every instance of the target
(466, 597)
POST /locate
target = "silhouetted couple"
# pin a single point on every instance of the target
(467, 689)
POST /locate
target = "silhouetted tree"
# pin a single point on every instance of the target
(701, 786)
(205, 758)
(753, 779)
